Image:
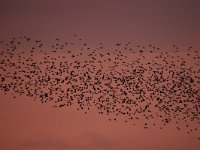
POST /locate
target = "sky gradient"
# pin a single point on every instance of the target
(31, 125)
(160, 22)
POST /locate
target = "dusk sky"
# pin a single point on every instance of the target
(161, 22)
(26, 124)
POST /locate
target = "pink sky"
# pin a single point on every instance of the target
(31, 125)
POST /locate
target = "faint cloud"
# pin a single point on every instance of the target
(45, 143)
(87, 141)
(98, 141)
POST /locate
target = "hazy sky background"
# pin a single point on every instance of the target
(28, 125)
(161, 22)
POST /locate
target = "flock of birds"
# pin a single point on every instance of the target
(130, 82)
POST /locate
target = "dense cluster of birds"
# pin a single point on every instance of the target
(130, 82)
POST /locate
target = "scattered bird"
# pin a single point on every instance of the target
(116, 83)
